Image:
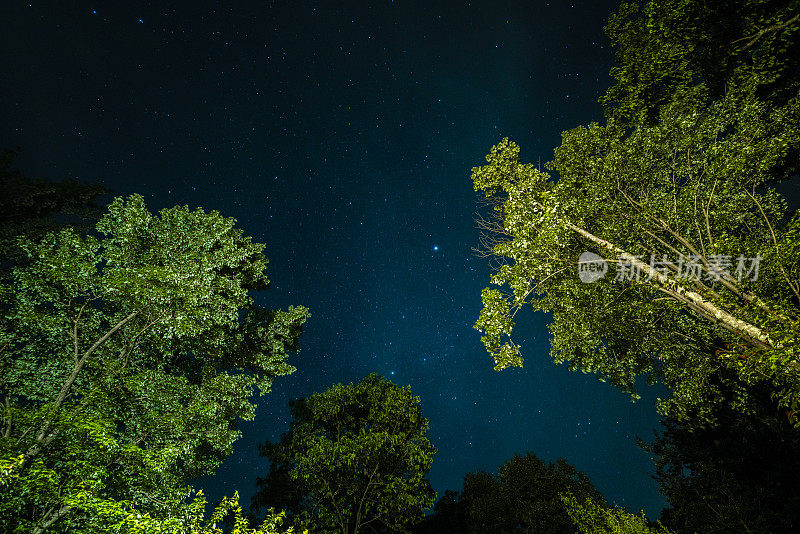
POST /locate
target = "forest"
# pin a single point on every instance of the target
(662, 243)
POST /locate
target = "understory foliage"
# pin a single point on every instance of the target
(676, 195)
(121, 516)
(591, 518)
(354, 460)
(126, 359)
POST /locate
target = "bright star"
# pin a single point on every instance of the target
(435, 247)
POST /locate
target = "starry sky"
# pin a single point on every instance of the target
(342, 135)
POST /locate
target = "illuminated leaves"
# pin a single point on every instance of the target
(151, 333)
(356, 453)
(694, 183)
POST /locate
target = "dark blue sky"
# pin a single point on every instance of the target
(342, 135)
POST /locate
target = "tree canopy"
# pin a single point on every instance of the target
(127, 359)
(34, 206)
(525, 496)
(658, 242)
(356, 456)
(590, 517)
(684, 208)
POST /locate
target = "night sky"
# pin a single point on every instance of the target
(342, 135)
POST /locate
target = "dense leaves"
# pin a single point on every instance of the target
(127, 359)
(110, 515)
(663, 47)
(523, 497)
(356, 457)
(593, 518)
(683, 208)
(128, 354)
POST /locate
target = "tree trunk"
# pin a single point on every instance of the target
(752, 334)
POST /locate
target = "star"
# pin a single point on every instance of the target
(435, 248)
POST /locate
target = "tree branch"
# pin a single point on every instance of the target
(750, 332)
(775, 242)
(756, 36)
(54, 516)
(97, 344)
(364, 495)
(7, 404)
(41, 438)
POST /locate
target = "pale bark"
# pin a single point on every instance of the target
(50, 518)
(707, 309)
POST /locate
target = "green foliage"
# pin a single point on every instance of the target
(691, 182)
(33, 207)
(665, 46)
(109, 515)
(127, 360)
(592, 518)
(523, 497)
(357, 456)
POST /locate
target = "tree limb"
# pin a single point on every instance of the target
(50, 518)
(41, 438)
(756, 36)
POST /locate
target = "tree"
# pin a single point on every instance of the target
(523, 497)
(358, 456)
(449, 515)
(127, 360)
(690, 188)
(33, 207)
(740, 475)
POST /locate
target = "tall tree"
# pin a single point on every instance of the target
(683, 206)
(357, 456)
(525, 496)
(126, 361)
